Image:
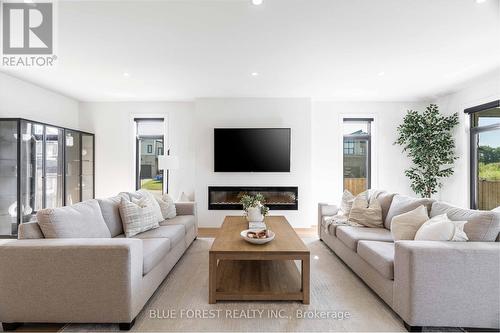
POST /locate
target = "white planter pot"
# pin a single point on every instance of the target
(254, 215)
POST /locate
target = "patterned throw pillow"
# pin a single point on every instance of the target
(346, 203)
(167, 206)
(137, 216)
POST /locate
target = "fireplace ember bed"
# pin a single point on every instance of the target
(277, 198)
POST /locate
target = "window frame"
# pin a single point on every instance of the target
(162, 137)
(368, 138)
(474, 132)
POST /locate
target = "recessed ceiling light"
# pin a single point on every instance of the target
(257, 2)
(480, 1)
(381, 73)
(126, 74)
(255, 74)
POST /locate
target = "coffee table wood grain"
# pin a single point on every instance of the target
(239, 270)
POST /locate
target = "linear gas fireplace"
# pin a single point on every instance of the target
(228, 197)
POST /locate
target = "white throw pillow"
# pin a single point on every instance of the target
(405, 226)
(346, 203)
(137, 216)
(167, 206)
(441, 228)
(366, 210)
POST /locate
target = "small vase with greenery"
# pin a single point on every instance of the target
(428, 141)
(254, 207)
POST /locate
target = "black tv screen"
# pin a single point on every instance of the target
(252, 150)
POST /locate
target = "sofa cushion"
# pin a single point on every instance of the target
(81, 220)
(351, 235)
(481, 225)
(385, 200)
(175, 233)
(380, 255)
(153, 251)
(110, 208)
(405, 226)
(188, 221)
(29, 230)
(403, 204)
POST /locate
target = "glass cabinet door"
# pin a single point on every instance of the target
(73, 171)
(31, 169)
(54, 166)
(8, 178)
(87, 166)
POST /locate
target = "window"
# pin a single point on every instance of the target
(149, 145)
(485, 156)
(357, 154)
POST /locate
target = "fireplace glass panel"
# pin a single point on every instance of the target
(282, 198)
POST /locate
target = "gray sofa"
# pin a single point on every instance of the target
(452, 284)
(89, 280)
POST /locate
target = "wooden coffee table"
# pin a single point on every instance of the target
(241, 271)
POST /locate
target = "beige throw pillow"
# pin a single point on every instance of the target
(441, 228)
(346, 203)
(167, 206)
(137, 216)
(366, 210)
(405, 226)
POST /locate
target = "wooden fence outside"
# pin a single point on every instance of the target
(355, 185)
(489, 194)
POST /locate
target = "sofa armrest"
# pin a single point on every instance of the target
(447, 283)
(185, 208)
(70, 280)
(325, 209)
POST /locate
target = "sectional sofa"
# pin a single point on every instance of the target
(89, 280)
(427, 283)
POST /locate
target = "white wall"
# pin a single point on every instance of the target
(20, 99)
(294, 113)
(113, 126)
(482, 90)
(388, 163)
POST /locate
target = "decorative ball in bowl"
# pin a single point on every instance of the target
(257, 236)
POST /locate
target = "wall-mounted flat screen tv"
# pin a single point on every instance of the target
(252, 149)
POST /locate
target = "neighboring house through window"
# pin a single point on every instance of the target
(149, 145)
(357, 154)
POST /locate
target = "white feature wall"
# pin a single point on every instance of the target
(113, 125)
(20, 99)
(456, 189)
(388, 162)
(294, 113)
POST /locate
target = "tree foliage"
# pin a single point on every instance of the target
(427, 140)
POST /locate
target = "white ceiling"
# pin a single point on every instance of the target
(383, 50)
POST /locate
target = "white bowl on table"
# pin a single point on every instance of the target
(270, 237)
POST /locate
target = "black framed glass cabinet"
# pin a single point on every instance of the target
(41, 166)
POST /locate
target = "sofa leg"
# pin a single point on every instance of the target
(126, 326)
(10, 326)
(412, 328)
